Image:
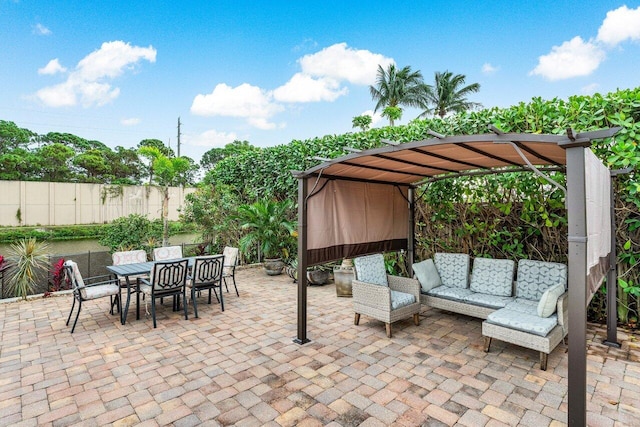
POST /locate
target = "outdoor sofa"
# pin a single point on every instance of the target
(530, 312)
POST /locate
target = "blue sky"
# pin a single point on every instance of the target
(270, 72)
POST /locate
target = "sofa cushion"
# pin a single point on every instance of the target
(370, 269)
(535, 277)
(530, 323)
(549, 300)
(492, 276)
(427, 275)
(523, 305)
(401, 299)
(486, 300)
(449, 292)
(453, 269)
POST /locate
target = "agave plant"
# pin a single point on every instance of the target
(29, 259)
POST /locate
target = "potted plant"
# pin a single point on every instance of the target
(267, 226)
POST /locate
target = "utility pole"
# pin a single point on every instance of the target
(179, 136)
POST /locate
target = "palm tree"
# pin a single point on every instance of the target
(395, 87)
(450, 94)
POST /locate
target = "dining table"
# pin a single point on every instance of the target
(128, 272)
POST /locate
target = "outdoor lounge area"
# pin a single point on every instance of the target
(241, 367)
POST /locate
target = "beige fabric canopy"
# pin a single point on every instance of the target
(373, 180)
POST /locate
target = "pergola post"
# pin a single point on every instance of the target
(411, 232)
(577, 237)
(302, 262)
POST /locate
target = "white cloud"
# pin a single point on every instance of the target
(487, 68)
(304, 88)
(86, 84)
(130, 121)
(590, 89)
(573, 58)
(210, 138)
(52, 67)
(41, 30)
(619, 25)
(245, 101)
(341, 62)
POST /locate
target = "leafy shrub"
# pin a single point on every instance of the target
(130, 232)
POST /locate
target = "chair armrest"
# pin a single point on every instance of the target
(405, 284)
(143, 280)
(563, 311)
(371, 295)
(100, 280)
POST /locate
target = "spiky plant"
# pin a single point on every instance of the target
(29, 258)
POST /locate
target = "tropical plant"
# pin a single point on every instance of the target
(29, 259)
(267, 226)
(57, 276)
(396, 88)
(449, 94)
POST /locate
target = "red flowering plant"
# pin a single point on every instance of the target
(1, 259)
(58, 279)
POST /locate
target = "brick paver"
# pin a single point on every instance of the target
(241, 367)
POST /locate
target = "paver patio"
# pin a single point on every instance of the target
(241, 368)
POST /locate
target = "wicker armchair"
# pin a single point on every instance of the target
(381, 296)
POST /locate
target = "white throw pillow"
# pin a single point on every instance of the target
(427, 275)
(549, 299)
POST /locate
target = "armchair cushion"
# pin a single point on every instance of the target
(549, 300)
(370, 269)
(453, 269)
(493, 276)
(401, 299)
(427, 275)
(99, 291)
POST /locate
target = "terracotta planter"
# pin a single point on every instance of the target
(273, 266)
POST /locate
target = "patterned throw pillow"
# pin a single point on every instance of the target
(427, 275)
(370, 269)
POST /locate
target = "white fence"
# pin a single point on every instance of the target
(60, 203)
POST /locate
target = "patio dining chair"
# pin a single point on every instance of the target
(167, 252)
(229, 270)
(89, 289)
(207, 274)
(128, 257)
(168, 278)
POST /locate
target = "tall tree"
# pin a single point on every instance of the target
(213, 156)
(396, 88)
(168, 171)
(449, 94)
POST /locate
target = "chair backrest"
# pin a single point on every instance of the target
(169, 275)
(230, 259)
(167, 252)
(129, 257)
(207, 270)
(535, 277)
(74, 276)
(371, 269)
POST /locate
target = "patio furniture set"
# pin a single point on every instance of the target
(530, 312)
(169, 275)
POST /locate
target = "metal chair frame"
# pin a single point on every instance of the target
(207, 274)
(168, 278)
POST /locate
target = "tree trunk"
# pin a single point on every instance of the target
(165, 217)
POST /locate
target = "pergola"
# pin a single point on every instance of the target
(363, 203)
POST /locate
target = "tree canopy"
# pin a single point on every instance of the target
(396, 88)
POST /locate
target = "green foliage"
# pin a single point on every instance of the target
(130, 232)
(449, 94)
(29, 259)
(392, 113)
(267, 226)
(363, 122)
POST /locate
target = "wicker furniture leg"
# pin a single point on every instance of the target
(416, 319)
(356, 319)
(388, 330)
(487, 344)
(543, 360)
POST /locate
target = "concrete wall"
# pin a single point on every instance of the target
(60, 203)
